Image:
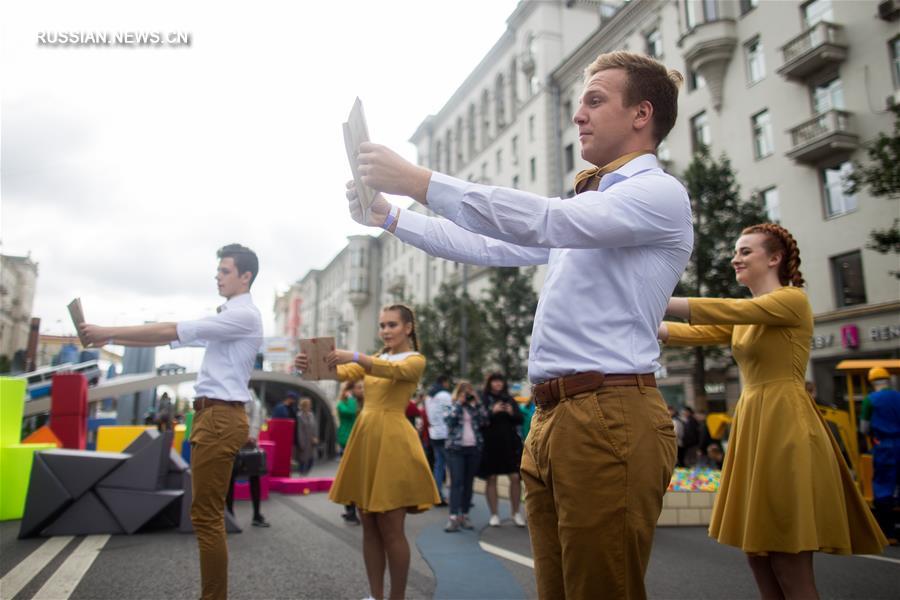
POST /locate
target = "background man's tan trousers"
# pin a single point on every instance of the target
(595, 468)
(218, 432)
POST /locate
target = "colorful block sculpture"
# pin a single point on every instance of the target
(179, 436)
(69, 409)
(281, 431)
(300, 485)
(43, 435)
(15, 458)
(115, 438)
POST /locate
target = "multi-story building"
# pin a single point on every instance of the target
(18, 279)
(789, 90)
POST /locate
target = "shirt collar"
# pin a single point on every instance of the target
(234, 301)
(640, 164)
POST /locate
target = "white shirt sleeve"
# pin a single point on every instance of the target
(228, 325)
(441, 238)
(635, 212)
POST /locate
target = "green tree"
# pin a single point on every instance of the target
(440, 333)
(509, 306)
(882, 178)
(719, 215)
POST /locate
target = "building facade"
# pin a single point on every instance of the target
(790, 91)
(18, 280)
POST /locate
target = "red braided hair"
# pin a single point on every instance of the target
(779, 240)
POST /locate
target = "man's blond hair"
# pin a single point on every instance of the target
(649, 80)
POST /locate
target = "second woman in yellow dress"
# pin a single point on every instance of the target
(384, 470)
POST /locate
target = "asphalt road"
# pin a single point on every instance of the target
(310, 553)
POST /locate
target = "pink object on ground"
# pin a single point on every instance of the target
(300, 485)
(281, 432)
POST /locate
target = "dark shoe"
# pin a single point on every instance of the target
(442, 503)
(260, 521)
(350, 518)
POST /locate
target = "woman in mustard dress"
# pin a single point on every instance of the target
(384, 470)
(785, 491)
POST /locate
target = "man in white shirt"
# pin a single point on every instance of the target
(232, 337)
(437, 407)
(601, 448)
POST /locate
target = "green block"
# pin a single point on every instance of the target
(15, 473)
(12, 403)
(188, 423)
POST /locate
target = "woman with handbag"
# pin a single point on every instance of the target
(251, 468)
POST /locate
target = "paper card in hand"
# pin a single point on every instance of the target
(355, 133)
(77, 314)
(317, 349)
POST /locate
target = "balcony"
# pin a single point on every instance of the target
(707, 49)
(813, 50)
(827, 136)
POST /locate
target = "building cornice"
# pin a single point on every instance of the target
(857, 312)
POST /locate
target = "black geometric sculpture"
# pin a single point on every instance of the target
(186, 526)
(87, 516)
(73, 492)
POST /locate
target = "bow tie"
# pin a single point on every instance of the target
(589, 179)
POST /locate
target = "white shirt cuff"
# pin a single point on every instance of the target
(445, 194)
(411, 226)
(187, 334)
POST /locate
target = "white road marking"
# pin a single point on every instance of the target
(874, 557)
(62, 583)
(503, 553)
(13, 582)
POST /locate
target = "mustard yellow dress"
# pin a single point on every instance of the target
(384, 466)
(785, 486)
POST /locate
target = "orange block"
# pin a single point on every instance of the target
(43, 435)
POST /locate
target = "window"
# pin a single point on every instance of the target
(530, 128)
(756, 62)
(816, 11)
(436, 163)
(567, 113)
(690, 13)
(499, 101)
(828, 95)
(515, 149)
(459, 142)
(700, 134)
(515, 182)
(569, 158)
(654, 43)
(762, 134)
(837, 201)
(895, 60)
(748, 5)
(470, 131)
(484, 177)
(710, 10)
(849, 287)
(532, 165)
(771, 204)
(485, 118)
(695, 80)
(499, 160)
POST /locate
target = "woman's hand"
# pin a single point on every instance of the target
(662, 333)
(498, 407)
(339, 357)
(301, 362)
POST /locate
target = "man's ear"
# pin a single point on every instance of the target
(246, 277)
(643, 116)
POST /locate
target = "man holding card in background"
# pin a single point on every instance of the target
(232, 338)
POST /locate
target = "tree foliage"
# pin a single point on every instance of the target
(509, 306)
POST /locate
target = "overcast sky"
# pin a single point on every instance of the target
(124, 168)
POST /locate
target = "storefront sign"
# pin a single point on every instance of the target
(885, 333)
(822, 341)
(850, 336)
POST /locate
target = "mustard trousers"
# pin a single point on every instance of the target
(595, 468)
(218, 432)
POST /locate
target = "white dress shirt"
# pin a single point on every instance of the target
(614, 256)
(231, 338)
(437, 408)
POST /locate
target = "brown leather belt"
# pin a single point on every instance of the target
(202, 402)
(548, 393)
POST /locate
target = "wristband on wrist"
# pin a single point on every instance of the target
(390, 218)
(356, 357)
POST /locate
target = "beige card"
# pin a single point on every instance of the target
(77, 314)
(356, 132)
(317, 349)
